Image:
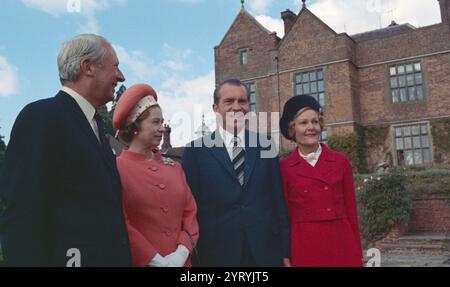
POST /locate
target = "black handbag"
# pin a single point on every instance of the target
(195, 256)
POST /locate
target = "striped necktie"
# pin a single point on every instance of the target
(238, 159)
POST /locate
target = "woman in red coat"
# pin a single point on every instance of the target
(159, 208)
(319, 190)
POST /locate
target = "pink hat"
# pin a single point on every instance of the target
(134, 101)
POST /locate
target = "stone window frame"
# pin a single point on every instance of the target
(252, 99)
(244, 60)
(317, 93)
(411, 145)
(395, 74)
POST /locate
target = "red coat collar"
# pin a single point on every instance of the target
(295, 158)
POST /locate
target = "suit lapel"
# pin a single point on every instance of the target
(220, 153)
(251, 154)
(71, 105)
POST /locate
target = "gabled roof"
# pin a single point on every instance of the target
(302, 11)
(382, 33)
(244, 13)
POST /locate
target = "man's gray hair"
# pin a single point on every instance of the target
(77, 49)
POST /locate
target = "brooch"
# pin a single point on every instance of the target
(168, 161)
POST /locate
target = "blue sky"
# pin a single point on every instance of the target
(168, 44)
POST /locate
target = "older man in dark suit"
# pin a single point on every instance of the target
(241, 209)
(60, 184)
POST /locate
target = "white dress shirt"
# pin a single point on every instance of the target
(228, 140)
(313, 157)
(86, 107)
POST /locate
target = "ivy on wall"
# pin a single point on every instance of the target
(440, 131)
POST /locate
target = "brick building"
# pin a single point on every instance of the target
(389, 89)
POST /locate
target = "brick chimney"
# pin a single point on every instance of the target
(288, 18)
(445, 10)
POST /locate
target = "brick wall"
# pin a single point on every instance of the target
(431, 213)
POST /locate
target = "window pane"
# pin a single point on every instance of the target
(409, 68)
(312, 76)
(403, 94)
(424, 129)
(252, 98)
(399, 143)
(398, 132)
(305, 77)
(426, 156)
(401, 69)
(409, 157)
(244, 57)
(407, 143)
(418, 156)
(321, 86)
(412, 93)
(392, 71)
(313, 86)
(298, 78)
(416, 142)
(425, 141)
(401, 81)
(417, 67)
(407, 131)
(322, 99)
(319, 75)
(415, 130)
(298, 90)
(306, 89)
(419, 92)
(394, 96)
(410, 80)
(324, 136)
(252, 88)
(418, 77)
(394, 82)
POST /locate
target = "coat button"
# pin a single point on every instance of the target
(305, 191)
(168, 233)
(329, 209)
(154, 168)
(326, 188)
(162, 186)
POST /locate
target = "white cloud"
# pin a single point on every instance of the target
(259, 6)
(183, 102)
(272, 24)
(141, 67)
(85, 8)
(9, 82)
(356, 16)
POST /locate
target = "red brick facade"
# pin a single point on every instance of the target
(356, 71)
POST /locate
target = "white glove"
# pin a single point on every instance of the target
(178, 257)
(158, 261)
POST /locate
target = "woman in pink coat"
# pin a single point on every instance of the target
(159, 208)
(319, 190)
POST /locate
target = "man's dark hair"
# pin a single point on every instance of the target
(233, 82)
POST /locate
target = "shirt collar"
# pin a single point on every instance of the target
(228, 138)
(313, 155)
(87, 108)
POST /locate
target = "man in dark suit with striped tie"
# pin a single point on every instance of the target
(241, 209)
